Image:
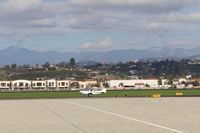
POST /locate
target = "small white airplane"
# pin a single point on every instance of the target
(93, 92)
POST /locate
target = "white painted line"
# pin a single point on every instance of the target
(128, 118)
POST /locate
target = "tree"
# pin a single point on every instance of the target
(62, 64)
(170, 81)
(13, 67)
(46, 65)
(6, 67)
(195, 83)
(121, 84)
(95, 85)
(74, 85)
(147, 85)
(106, 85)
(159, 81)
(72, 62)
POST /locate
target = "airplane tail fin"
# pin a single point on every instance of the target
(104, 90)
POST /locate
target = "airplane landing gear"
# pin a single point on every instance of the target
(89, 94)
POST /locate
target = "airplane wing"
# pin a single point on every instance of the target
(85, 92)
(93, 92)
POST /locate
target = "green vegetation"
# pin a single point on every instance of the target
(62, 74)
(72, 62)
(63, 70)
(19, 95)
(76, 94)
(168, 69)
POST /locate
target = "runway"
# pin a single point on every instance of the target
(103, 115)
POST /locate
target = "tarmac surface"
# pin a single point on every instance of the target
(103, 115)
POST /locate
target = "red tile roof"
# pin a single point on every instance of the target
(139, 83)
(151, 79)
(197, 80)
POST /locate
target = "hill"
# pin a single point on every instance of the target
(22, 56)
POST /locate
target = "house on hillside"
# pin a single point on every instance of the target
(51, 84)
(5, 85)
(139, 85)
(21, 85)
(39, 84)
(63, 84)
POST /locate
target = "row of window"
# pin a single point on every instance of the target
(39, 84)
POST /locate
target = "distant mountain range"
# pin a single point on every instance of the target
(22, 56)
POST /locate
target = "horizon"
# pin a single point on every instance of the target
(149, 48)
(82, 25)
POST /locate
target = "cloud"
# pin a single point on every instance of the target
(101, 45)
(190, 18)
(156, 26)
(21, 18)
(177, 43)
(22, 10)
(176, 21)
(147, 6)
(16, 14)
(85, 14)
(98, 20)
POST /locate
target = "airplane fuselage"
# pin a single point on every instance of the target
(93, 92)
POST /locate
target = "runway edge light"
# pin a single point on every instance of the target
(155, 95)
(179, 94)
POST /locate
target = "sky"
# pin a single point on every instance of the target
(99, 25)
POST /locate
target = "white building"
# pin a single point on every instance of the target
(39, 84)
(188, 76)
(182, 80)
(180, 86)
(190, 85)
(63, 84)
(133, 83)
(139, 85)
(87, 83)
(21, 84)
(51, 84)
(5, 85)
